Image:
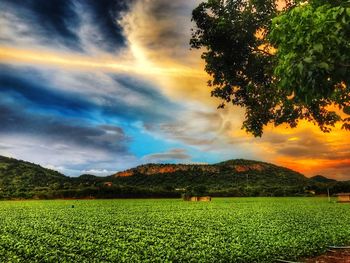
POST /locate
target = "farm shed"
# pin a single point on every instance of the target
(108, 184)
(198, 198)
(343, 197)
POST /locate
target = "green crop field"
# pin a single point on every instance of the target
(224, 230)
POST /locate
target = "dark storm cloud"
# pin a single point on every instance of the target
(35, 91)
(58, 22)
(62, 130)
(105, 14)
(53, 20)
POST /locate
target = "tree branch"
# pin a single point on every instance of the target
(262, 51)
(343, 65)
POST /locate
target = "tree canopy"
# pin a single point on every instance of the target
(280, 65)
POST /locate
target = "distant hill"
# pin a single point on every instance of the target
(20, 179)
(241, 175)
(322, 179)
(21, 176)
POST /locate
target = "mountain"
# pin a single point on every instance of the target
(21, 176)
(233, 175)
(20, 179)
(322, 179)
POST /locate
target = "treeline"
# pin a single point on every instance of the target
(102, 192)
(127, 191)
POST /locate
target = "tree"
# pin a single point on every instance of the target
(313, 54)
(240, 40)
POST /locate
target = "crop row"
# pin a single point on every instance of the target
(224, 230)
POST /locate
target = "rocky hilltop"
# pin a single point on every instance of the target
(230, 176)
(152, 169)
(236, 166)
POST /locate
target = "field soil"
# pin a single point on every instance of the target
(332, 256)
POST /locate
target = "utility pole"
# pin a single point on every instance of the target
(329, 197)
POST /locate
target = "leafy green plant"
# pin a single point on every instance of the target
(160, 230)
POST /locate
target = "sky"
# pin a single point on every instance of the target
(102, 86)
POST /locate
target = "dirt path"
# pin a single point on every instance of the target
(332, 256)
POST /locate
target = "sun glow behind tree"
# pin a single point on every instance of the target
(307, 72)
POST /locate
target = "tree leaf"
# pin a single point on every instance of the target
(346, 110)
(323, 65)
(308, 59)
(318, 47)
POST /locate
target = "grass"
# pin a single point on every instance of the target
(164, 230)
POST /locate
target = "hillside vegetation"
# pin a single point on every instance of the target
(234, 177)
(20, 179)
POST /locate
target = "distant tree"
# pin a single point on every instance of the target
(67, 185)
(308, 73)
(196, 190)
(55, 186)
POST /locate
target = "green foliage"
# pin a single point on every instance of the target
(197, 190)
(224, 230)
(313, 55)
(18, 178)
(239, 66)
(306, 76)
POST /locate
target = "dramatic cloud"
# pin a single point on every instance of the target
(85, 95)
(170, 24)
(99, 86)
(75, 116)
(70, 159)
(66, 24)
(103, 18)
(49, 21)
(63, 130)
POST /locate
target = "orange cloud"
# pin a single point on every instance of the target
(104, 62)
